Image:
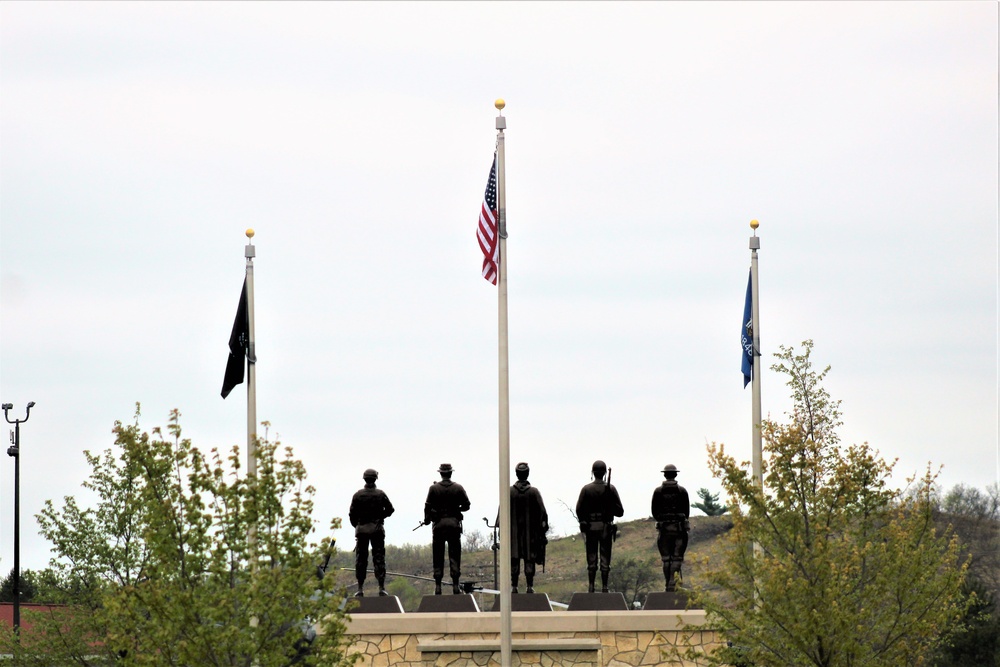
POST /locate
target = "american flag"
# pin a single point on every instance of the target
(488, 240)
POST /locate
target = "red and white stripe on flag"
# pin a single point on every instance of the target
(488, 237)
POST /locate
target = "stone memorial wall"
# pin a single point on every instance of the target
(597, 639)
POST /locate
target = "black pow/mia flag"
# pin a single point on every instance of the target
(239, 341)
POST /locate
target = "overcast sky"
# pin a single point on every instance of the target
(139, 140)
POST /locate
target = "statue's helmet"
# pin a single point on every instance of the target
(670, 467)
(522, 470)
(599, 468)
(370, 474)
(445, 468)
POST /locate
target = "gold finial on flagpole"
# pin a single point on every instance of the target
(499, 104)
(250, 232)
(753, 225)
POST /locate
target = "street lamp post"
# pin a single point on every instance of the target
(15, 450)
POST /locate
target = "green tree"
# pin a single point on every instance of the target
(408, 594)
(26, 586)
(186, 561)
(975, 517)
(828, 565)
(709, 503)
(975, 639)
(634, 578)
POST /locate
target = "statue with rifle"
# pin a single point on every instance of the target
(370, 507)
(596, 509)
(443, 509)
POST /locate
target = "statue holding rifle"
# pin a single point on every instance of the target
(369, 509)
(446, 501)
(596, 510)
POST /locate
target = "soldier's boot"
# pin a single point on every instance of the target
(361, 589)
(437, 586)
(604, 580)
(667, 577)
(591, 575)
(513, 581)
(381, 587)
(529, 580)
(456, 588)
(675, 579)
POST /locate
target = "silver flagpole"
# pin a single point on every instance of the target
(251, 365)
(758, 474)
(504, 583)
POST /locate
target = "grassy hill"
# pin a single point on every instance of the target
(635, 565)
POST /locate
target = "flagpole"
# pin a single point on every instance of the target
(758, 474)
(250, 253)
(504, 397)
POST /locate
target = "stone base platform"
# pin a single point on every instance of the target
(542, 639)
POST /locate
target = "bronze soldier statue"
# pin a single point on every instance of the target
(596, 510)
(369, 509)
(446, 500)
(671, 509)
(528, 522)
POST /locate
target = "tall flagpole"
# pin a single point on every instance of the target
(758, 470)
(504, 396)
(250, 252)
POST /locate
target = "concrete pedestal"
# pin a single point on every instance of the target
(447, 603)
(666, 600)
(385, 604)
(597, 602)
(525, 602)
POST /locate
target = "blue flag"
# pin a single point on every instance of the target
(746, 334)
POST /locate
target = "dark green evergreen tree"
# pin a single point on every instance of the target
(709, 503)
(27, 587)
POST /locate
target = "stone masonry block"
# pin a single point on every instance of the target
(626, 642)
(529, 657)
(630, 657)
(618, 663)
(410, 652)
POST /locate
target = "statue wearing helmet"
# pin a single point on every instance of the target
(369, 509)
(596, 509)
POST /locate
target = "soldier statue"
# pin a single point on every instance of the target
(596, 510)
(369, 509)
(671, 509)
(446, 500)
(528, 522)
